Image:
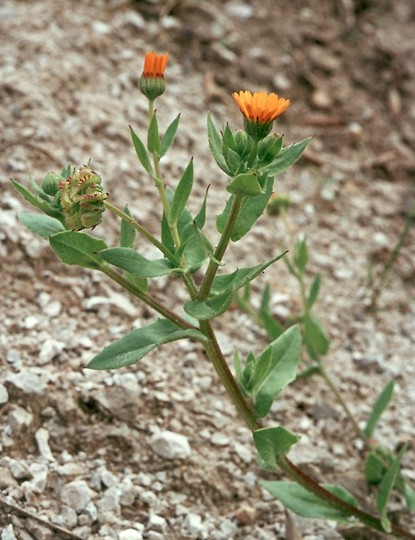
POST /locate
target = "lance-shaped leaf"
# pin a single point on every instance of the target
(168, 137)
(201, 215)
(314, 290)
(287, 157)
(37, 201)
(223, 288)
(273, 443)
(215, 145)
(128, 234)
(132, 262)
(315, 337)
(275, 369)
(272, 327)
(386, 486)
(306, 504)
(135, 345)
(141, 152)
(153, 140)
(381, 403)
(40, 224)
(182, 193)
(77, 248)
(251, 209)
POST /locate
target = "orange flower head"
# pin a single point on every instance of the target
(152, 83)
(260, 110)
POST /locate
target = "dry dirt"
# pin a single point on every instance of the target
(68, 90)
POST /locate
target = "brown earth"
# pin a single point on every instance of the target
(68, 90)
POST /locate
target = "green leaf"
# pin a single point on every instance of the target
(77, 248)
(375, 467)
(273, 443)
(244, 184)
(386, 486)
(135, 345)
(168, 138)
(37, 201)
(201, 215)
(252, 208)
(306, 504)
(223, 288)
(132, 262)
(379, 407)
(128, 233)
(215, 145)
(40, 224)
(316, 340)
(141, 152)
(230, 283)
(182, 193)
(274, 373)
(153, 140)
(301, 255)
(409, 494)
(287, 157)
(314, 290)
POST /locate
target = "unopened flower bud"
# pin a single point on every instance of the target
(152, 83)
(82, 199)
(50, 184)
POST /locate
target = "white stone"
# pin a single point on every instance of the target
(49, 350)
(192, 524)
(19, 470)
(40, 477)
(157, 522)
(76, 495)
(42, 439)
(4, 395)
(219, 439)
(130, 534)
(110, 501)
(28, 382)
(19, 418)
(8, 533)
(239, 10)
(170, 445)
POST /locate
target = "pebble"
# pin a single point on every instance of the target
(13, 356)
(130, 534)
(76, 495)
(39, 472)
(49, 350)
(246, 515)
(67, 517)
(19, 418)
(42, 439)
(8, 533)
(28, 382)
(154, 535)
(4, 395)
(219, 439)
(6, 478)
(157, 522)
(239, 10)
(110, 501)
(192, 524)
(170, 445)
(18, 470)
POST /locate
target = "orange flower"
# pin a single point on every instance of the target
(260, 110)
(155, 65)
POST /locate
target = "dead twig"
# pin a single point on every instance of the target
(11, 507)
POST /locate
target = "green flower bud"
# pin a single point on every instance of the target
(269, 148)
(82, 199)
(50, 184)
(152, 83)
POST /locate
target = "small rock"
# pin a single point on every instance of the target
(76, 495)
(239, 10)
(225, 531)
(192, 524)
(42, 438)
(246, 515)
(110, 501)
(157, 522)
(130, 534)
(28, 382)
(8, 533)
(219, 439)
(100, 27)
(321, 99)
(66, 518)
(19, 470)
(49, 350)
(6, 478)
(243, 452)
(13, 356)
(40, 477)
(19, 418)
(4, 395)
(170, 445)
(154, 535)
